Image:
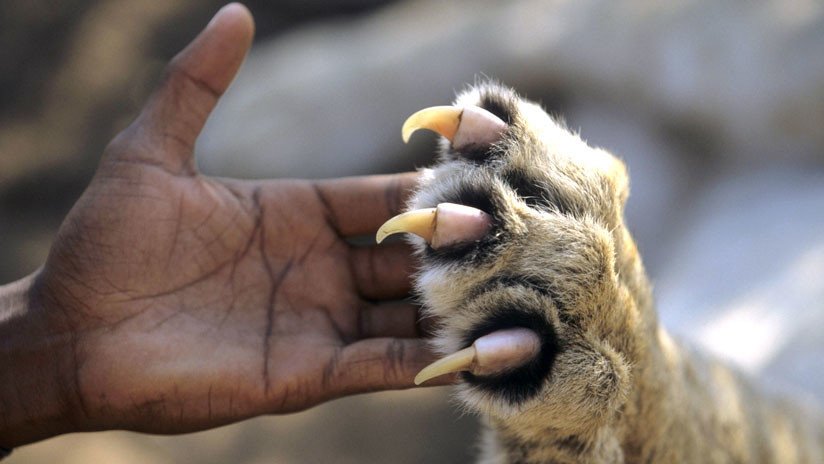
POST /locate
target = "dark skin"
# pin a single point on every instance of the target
(172, 302)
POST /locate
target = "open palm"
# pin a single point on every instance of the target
(191, 302)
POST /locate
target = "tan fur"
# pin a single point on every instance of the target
(621, 390)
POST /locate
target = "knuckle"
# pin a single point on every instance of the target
(394, 359)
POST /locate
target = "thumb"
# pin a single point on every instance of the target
(194, 80)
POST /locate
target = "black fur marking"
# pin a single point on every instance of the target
(540, 286)
(524, 382)
(572, 444)
(517, 449)
(502, 104)
(539, 195)
(476, 154)
(543, 287)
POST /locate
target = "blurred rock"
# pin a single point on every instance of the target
(328, 99)
(744, 282)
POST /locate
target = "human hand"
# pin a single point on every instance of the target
(173, 302)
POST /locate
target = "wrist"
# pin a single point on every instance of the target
(34, 402)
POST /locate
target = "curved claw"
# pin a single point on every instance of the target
(420, 222)
(441, 119)
(455, 362)
(445, 225)
(464, 127)
(494, 353)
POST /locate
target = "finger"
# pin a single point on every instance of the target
(359, 205)
(381, 364)
(383, 272)
(194, 80)
(389, 320)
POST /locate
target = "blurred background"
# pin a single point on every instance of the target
(717, 108)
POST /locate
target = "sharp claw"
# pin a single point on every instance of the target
(494, 353)
(455, 362)
(420, 222)
(463, 127)
(441, 119)
(442, 226)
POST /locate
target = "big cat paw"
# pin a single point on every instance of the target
(544, 308)
(515, 227)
